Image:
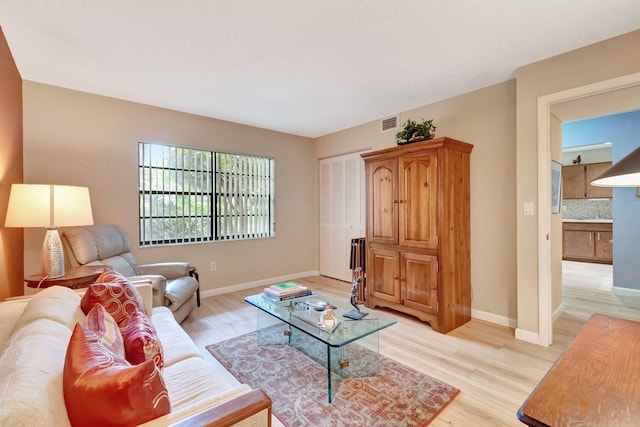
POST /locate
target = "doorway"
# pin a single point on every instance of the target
(546, 104)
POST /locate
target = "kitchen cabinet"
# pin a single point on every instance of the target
(587, 241)
(418, 231)
(576, 179)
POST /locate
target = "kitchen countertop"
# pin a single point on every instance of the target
(589, 220)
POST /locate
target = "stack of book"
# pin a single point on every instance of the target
(286, 290)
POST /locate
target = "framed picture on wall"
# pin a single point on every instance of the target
(556, 186)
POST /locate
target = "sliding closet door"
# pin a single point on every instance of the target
(342, 212)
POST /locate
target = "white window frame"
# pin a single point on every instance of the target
(189, 195)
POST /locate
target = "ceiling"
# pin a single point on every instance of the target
(304, 67)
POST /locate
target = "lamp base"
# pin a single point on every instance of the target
(52, 255)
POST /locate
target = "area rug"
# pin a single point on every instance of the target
(297, 385)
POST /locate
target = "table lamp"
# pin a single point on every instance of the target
(50, 206)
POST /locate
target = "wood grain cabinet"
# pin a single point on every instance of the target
(587, 242)
(418, 231)
(576, 179)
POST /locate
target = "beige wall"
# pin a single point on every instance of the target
(11, 239)
(605, 60)
(77, 138)
(486, 119)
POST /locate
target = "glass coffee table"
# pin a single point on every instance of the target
(348, 349)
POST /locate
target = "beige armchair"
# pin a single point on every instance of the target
(174, 283)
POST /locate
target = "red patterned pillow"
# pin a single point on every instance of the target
(102, 389)
(100, 322)
(141, 341)
(118, 296)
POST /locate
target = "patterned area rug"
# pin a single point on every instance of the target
(297, 385)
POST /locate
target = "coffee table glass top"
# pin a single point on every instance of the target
(301, 314)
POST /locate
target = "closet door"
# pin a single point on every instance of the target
(342, 212)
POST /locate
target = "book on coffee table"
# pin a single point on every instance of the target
(299, 293)
(287, 289)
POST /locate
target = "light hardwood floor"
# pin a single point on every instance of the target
(587, 288)
(494, 371)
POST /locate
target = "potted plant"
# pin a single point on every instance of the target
(413, 131)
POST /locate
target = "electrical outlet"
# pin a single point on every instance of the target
(212, 266)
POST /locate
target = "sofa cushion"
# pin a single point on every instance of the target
(176, 344)
(202, 382)
(102, 389)
(57, 303)
(31, 376)
(141, 341)
(100, 322)
(116, 294)
(9, 316)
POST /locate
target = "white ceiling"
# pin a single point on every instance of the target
(305, 67)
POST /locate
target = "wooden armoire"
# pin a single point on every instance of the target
(418, 231)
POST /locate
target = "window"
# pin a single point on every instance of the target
(190, 195)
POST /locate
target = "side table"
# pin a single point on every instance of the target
(73, 278)
(193, 272)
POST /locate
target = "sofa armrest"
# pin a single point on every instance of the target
(159, 284)
(232, 411)
(145, 289)
(170, 270)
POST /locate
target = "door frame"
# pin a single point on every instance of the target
(545, 103)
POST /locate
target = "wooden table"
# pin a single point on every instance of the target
(73, 278)
(596, 382)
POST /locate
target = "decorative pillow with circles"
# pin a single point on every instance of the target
(116, 294)
(100, 322)
(141, 341)
(103, 389)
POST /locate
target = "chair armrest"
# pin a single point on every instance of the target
(231, 412)
(170, 270)
(159, 284)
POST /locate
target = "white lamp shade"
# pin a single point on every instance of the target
(40, 205)
(625, 173)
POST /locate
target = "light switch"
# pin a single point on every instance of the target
(528, 208)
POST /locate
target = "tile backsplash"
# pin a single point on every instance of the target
(587, 209)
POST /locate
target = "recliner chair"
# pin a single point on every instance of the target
(173, 283)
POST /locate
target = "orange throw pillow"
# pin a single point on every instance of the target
(105, 327)
(141, 341)
(102, 389)
(116, 294)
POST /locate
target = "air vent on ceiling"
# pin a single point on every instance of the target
(389, 123)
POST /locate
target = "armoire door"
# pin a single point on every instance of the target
(418, 201)
(382, 206)
(419, 281)
(383, 275)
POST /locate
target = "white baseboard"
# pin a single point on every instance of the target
(494, 318)
(255, 284)
(528, 336)
(557, 312)
(626, 291)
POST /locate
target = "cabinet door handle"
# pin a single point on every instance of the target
(396, 277)
(598, 236)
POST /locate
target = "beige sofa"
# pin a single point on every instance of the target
(34, 334)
